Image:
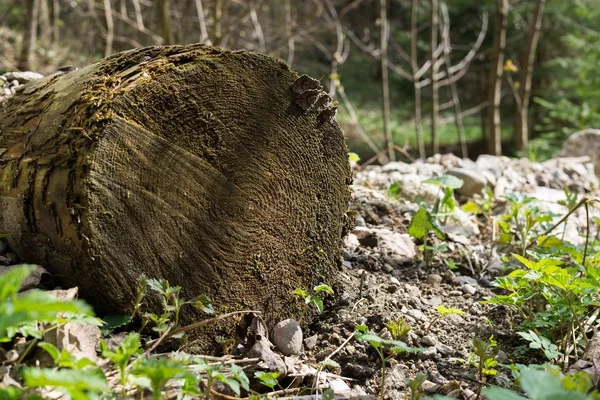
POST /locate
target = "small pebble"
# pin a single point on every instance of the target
(287, 337)
(468, 289)
(434, 280)
(429, 387)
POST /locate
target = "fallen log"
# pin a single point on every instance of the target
(217, 170)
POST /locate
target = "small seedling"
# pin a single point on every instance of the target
(129, 347)
(443, 311)
(268, 379)
(386, 349)
(415, 386)
(446, 205)
(313, 299)
(421, 225)
(398, 328)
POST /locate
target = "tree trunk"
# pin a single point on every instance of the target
(385, 82)
(29, 34)
(55, 22)
(522, 120)
(435, 146)
(164, 18)
(495, 90)
(453, 89)
(110, 28)
(415, 68)
(44, 18)
(192, 164)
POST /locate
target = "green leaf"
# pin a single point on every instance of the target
(497, 393)
(329, 363)
(50, 349)
(73, 381)
(422, 223)
(13, 278)
(204, 304)
(446, 181)
(268, 379)
(316, 301)
(323, 288)
(470, 207)
(300, 292)
(353, 157)
(395, 190)
(115, 321)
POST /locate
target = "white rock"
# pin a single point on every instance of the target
(287, 337)
(473, 181)
(584, 143)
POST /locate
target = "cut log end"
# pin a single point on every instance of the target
(192, 164)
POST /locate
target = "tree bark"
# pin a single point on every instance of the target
(44, 18)
(415, 68)
(193, 164)
(110, 28)
(435, 146)
(164, 19)
(29, 34)
(495, 81)
(453, 89)
(528, 62)
(55, 22)
(385, 82)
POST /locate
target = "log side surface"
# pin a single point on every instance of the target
(192, 164)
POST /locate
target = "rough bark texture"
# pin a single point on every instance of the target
(495, 80)
(193, 164)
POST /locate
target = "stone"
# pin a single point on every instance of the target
(22, 77)
(287, 337)
(429, 340)
(416, 314)
(394, 281)
(473, 181)
(469, 289)
(429, 387)
(584, 143)
(434, 280)
(444, 349)
(387, 268)
(412, 291)
(427, 354)
(438, 378)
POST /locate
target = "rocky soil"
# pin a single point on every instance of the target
(385, 278)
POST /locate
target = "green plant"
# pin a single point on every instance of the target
(156, 372)
(482, 357)
(23, 313)
(443, 311)
(386, 349)
(446, 204)
(129, 347)
(78, 384)
(540, 342)
(415, 386)
(547, 384)
(313, 299)
(551, 297)
(268, 379)
(523, 223)
(421, 225)
(172, 305)
(398, 328)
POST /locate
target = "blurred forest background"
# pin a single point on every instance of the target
(412, 77)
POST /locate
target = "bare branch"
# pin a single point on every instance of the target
(459, 70)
